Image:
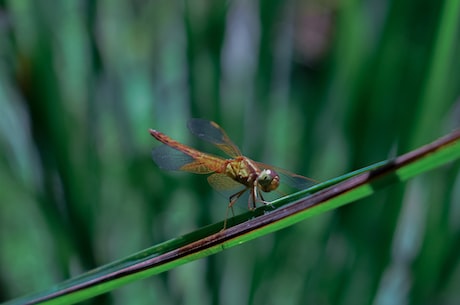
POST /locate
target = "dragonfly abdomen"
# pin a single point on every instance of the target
(203, 164)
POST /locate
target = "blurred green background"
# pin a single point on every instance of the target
(317, 87)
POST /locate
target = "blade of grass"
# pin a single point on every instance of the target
(436, 95)
(284, 212)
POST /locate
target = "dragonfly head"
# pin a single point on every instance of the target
(268, 180)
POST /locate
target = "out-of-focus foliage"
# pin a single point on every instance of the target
(320, 88)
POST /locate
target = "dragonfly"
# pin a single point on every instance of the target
(225, 174)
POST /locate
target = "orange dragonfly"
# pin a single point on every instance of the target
(226, 173)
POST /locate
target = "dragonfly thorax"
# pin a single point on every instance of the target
(242, 170)
(268, 180)
(246, 172)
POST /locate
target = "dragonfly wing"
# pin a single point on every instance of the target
(290, 179)
(221, 182)
(227, 187)
(210, 132)
(168, 158)
(296, 181)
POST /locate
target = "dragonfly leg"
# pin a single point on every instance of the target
(253, 198)
(233, 199)
(260, 198)
(269, 203)
(256, 196)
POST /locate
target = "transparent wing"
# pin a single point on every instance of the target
(228, 187)
(221, 182)
(168, 158)
(297, 182)
(210, 132)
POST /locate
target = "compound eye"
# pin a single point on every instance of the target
(268, 180)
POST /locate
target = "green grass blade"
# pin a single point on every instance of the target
(284, 212)
(435, 93)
